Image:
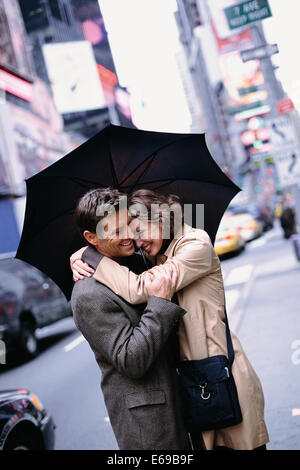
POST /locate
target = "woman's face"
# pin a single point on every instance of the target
(148, 235)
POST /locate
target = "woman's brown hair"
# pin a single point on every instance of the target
(157, 208)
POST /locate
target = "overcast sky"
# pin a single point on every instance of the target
(144, 38)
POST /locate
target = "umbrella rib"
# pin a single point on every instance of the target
(153, 153)
(81, 181)
(113, 172)
(143, 172)
(150, 157)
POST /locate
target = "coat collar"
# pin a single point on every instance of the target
(186, 229)
(92, 257)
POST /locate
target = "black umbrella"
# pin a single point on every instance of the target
(126, 159)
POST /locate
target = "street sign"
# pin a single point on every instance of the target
(247, 12)
(286, 150)
(282, 133)
(261, 52)
(285, 106)
(250, 89)
(288, 166)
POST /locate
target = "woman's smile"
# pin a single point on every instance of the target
(147, 247)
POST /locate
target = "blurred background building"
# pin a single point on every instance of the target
(31, 128)
(251, 123)
(58, 87)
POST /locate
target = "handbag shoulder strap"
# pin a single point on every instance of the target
(230, 349)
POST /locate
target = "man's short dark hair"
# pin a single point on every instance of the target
(86, 210)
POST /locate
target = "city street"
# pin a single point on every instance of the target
(262, 292)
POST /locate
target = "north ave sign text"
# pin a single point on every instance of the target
(247, 12)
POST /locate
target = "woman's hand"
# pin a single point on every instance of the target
(79, 268)
(161, 282)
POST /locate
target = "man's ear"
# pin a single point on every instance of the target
(90, 237)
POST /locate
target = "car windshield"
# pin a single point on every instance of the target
(243, 219)
(9, 283)
(13, 272)
(10, 264)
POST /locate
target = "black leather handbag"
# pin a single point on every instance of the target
(209, 395)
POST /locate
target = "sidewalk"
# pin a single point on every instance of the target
(269, 330)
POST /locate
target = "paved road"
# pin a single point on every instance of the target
(262, 296)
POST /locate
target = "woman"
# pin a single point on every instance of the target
(200, 291)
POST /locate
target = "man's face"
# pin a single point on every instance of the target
(114, 237)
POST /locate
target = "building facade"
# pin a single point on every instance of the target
(31, 129)
(239, 95)
(55, 22)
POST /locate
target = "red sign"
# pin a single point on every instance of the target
(16, 86)
(234, 41)
(285, 106)
(108, 81)
(107, 76)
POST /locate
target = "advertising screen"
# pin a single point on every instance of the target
(74, 76)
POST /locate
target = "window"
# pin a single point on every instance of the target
(34, 15)
(55, 9)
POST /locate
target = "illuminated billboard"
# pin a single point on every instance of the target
(74, 77)
(16, 86)
(245, 88)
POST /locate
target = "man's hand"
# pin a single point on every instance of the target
(161, 281)
(79, 268)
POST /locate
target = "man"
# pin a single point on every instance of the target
(135, 346)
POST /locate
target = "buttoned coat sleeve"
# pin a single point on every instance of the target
(192, 258)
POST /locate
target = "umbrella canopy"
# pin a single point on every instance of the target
(126, 159)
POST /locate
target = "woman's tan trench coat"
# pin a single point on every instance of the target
(200, 292)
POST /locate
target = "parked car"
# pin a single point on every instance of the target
(248, 227)
(28, 300)
(24, 423)
(228, 239)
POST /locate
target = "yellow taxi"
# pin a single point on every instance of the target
(247, 226)
(228, 239)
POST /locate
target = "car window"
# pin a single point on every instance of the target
(21, 269)
(243, 219)
(10, 283)
(33, 275)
